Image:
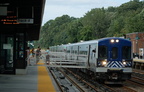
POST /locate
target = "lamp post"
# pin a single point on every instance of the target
(137, 38)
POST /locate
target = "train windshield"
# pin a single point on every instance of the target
(126, 52)
(102, 52)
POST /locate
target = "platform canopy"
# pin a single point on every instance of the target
(22, 16)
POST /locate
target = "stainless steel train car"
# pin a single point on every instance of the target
(107, 59)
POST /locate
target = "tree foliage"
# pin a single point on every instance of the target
(96, 23)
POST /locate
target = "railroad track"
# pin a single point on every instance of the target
(81, 84)
(106, 88)
(120, 88)
(91, 84)
(58, 73)
(136, 83)
(81, 80)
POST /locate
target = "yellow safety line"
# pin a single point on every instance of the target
(44, 80)
(40, 63)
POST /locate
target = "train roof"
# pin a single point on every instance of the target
(92, 41)
(109, 38)
(96, 41)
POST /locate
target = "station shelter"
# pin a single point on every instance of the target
(137, 39)
(20, 22)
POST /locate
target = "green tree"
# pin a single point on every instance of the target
(96, 23)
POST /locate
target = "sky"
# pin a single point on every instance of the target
(75, 8)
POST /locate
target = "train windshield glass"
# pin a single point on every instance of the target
(114, 53)
(126, 52)
(102, 52)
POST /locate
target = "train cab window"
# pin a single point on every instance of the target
(114, 53)
(102, 52)
(126, 52)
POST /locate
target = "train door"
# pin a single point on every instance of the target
(92, 56)
(114, 57)
(114, 53)
(68, 53)
(75, 49)
(71, 53)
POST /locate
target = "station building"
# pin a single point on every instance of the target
(20, 22)
(137, 40)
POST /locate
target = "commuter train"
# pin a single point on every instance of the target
(108, 59)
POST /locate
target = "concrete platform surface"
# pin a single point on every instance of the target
(20, 83)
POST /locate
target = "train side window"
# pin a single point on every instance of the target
(75, 51)
(68, 51)
(83, 52)
(126, 52)
(114, 53)
(94, 51)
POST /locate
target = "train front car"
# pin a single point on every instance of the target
(114, 63)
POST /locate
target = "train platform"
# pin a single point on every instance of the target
(37, 79)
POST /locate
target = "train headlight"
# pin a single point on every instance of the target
(112, 40)
(117, 40)
(124, 62)
(127, 63)
(104, 63)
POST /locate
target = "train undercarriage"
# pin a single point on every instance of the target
(109, 77)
